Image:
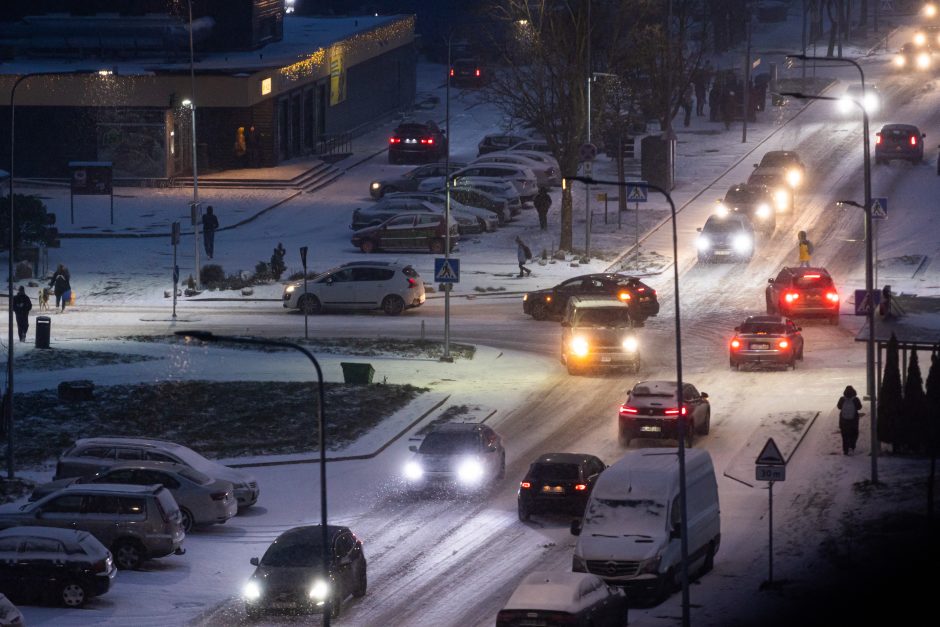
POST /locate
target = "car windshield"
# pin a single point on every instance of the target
(621, 517)
(813, 282)
(743, 196)
(722, 226)
(770, 328)
(643, 390)
(603, 317)
(772, 160)
(441, 443)
(195, 476)
(555, 472)
(296, 555)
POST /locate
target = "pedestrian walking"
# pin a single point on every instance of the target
(687, 108)
(61, 285)
(850, 409)
(700, 81)
(21, 306)
(254, 147)
(240, 147)
(805, 249)
(542, 202)
(209, 225)
(523, 254)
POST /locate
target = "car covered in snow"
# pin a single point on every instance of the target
(564, 598)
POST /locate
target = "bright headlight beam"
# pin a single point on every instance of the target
(579, 346)
(413, 471)
(630, 344)
(320, 590)
(703, 243)
(252, 591)
(469, 472)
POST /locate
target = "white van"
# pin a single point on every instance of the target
(630, 533)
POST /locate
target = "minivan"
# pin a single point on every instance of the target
(631, 531)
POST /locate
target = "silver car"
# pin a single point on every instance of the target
(202, 499)
(545, 174)
(488, 221)
(522, 177)
(90, 455)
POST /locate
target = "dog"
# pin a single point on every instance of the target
(43, 298)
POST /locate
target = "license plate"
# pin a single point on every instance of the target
(644, 299)
(282, 605)
(722, 252)
(605, 358)
(553, 489)
(651, 429)
(760, 345)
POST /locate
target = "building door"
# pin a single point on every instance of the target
(283, 130)
(322, 101)
(296, 130)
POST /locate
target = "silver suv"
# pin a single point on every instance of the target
(597, 333)
(386, 285)
(136, 522)
(91, 455)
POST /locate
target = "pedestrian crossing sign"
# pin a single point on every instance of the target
(446, 270)
(636, 192)
(879, 208)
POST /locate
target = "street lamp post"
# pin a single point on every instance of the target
(681, 424)
(446, 357)
(192, 104)
(208, 336)
(869, 268)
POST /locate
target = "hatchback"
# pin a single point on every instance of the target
(391, 206)
(486, 220)
(417, 142)
(803, 292)
(651, 411)
(564, 598)
(869, 98)
(467, 455)
(64, 565)
(386, 285)
(289, 576)
(136, 522)
(546, 175)
(558, 483)
(467, 72)
(482, 199)
(773, 340)
(90, 455)
(522, 177)
(728, 237)
(202, 499)
(755, 201)
(422, 232)
(899, 141)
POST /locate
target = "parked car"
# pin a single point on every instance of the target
(754, 201)
(486, 220)
(538, 145)
(870, 99)
(542, 157)
(502, 190)
(472, 197)
(202, 500)
(522, 177)
(774, 340)
(90, 455)
(899, 141)
(417, 142)
(422, 232)
(466, 455)
(725, 237)
(563, 598)
(408, 182)
(136, 522)
(66, 566)
(911, 57)
(467, 72)
(387, 285)
(289, 576)
(558, 483)
(546, 175)
(551, 302)
(652, 411)
(391, 206)
(498, 141)
(10, 615)
(800, 292)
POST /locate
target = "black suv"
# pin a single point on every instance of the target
(651, 411)
(803, 292)
(551, 302)
(755, 201)
(417, 142)
(774, 340)
(558, 483)
(899, 141)
(467, 73)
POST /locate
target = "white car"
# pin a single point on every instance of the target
(539, 145)
(871, 100)
(486, 219)
(542, 157)
(522, 178)
(386, 285)
(545, 174)
(549, 598)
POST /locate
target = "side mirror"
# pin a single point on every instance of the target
(738, 329)
(676, 533)
(254, 561)
(576, 527)
(756, 165)
(799, 328)
(771, 281)
(699, 229)
(704, 395)
(413, 448)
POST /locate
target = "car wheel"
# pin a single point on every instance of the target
(800, 355)
(636, 366)
(624, 436)
(709, 563)
(731, 362)
(367, 246)
(792, 363)
(362, 583)
(502, 467)
(128, 554)
(706, 426)
(667, 584)
(523, 512)
(437, 246)
(393, 305)
(689, 434)
(309, 304)
(72, 594)
(187, 519)
(540, 311)
(572, 369)
(770, 304)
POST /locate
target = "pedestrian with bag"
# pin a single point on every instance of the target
(209, 225)
(850, 409)
(61, 286)
(542, 202)
(21, 306)
(805, 248)
(523, 254)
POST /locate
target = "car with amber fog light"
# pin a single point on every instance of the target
(773, 340)
(800, 292)
(550, 303)
(596, 333)
(465, 456)
(652, 411)
(558, 483)
(290, 574)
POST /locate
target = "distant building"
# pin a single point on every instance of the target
(305, 83)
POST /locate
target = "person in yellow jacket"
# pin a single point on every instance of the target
(805, 248)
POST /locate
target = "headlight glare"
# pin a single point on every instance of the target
(794, 177)
(252, 591)
(290, 289)
(630, 344)
(741, 243)
(721, 209)
(923, 60)
(375, 185)
(320, 590)
(579, 346)
(782, 198)
(470, 471)
(763, 211)
(900, 61)
(703, 243)
(413, 471)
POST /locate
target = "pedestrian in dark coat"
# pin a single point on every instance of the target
(850, 408)
(61, 285)
(542, 202)
(700, 81)
(209, 224)
(523, 254)
(254, 147)
(21, 306)
(728, 104)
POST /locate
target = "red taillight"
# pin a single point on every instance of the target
(735, 343)
(451, 71)
(784, 343)
(477, 73)
(913, 140)
(675, 411)
(580, 487)
(525, 485)
(394, 140)
(812, 276)
(624, 295)
(218, 496)
(791, 296)
(412, 282)
(877, 138)
(626, 409)
(427, 140)
(832, 297)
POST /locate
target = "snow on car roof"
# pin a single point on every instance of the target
(555, 591)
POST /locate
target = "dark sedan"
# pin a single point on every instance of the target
(651, 411)
(755, 201)
(766, 340)
(558, 483)
(290, 574)
(550, 303)
(423, 232)
(408, 182)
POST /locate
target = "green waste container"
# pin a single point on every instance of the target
(357, 373)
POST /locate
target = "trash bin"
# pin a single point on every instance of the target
(357, 373)
(43, 330)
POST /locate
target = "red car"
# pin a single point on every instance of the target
(798, 292)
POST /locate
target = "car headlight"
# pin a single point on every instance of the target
(579, 346)
(900, 61)
(375, 185)
(794, 177)
(703, 243)
(721, 209)
(741, 243)
(319, 591)
(630, 344)
(470, 471)
(871, 103)
(413, 471)
(920, 39)
(290, 289)
(252, 591)
(923, 61)
(763, 211)
(782, 198)
(650, 566)
(844, 105)
(578, 564)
